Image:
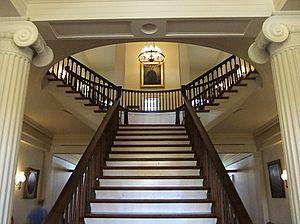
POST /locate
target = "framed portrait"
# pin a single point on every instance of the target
(152, 74)
(31, 183)
(276, 183)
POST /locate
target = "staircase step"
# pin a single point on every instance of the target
(151, 219)
(151, 194)
(151, 155)
(136, 163)
(151, 127)
(160, 142)
(240, 84)
(151, 171)
(230, 91)
(155, 137)
(154, 181)
(155, 207)
(144, 149)
(132, 132)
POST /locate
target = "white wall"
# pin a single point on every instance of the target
(269, 142)
(35, 142)
(58, 178)
(245, 181)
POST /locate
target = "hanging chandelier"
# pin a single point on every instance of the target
(151, 53)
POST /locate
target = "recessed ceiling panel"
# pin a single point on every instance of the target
(91, 29)
(207, 27)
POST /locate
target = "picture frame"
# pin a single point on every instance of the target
(152, 74)
(31, 183)
(276, 183)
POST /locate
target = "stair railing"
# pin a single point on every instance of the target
(228, 206)
(73, 202)
(151, 101)
(212, 84)
(201, 91)
(85, 81)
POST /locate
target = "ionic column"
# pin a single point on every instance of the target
(20, 44)
(280, 41)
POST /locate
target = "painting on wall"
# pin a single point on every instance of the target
(152, 74)
(31, 183)
(276, 183)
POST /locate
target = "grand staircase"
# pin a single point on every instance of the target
(151, 176)
(142, 174)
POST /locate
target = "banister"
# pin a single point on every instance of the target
(82, 180)
(88, 83)
(201, 91)
(212, 69)
(207, 146)
(92, 71)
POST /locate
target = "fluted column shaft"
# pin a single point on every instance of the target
(19, 41)
(280, 41)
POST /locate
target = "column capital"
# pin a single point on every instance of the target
(276, 30)
(25, 35)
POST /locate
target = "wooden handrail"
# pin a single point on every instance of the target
(72, 204)
(230, 208)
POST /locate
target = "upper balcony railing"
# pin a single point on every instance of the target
(85, 81)
(201, 91)
(212, 84)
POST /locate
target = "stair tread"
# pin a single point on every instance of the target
(147, 134)
(150, 159)
(72, 91)
(249, 78)
(151, 167)
(151, 152)
(154, 140)
(154, 145)
(240, 84)
(151, 201)
(152, 216)
(143, 188)
(82, 98)
(230, 91)
(151, 125)
(152, 177)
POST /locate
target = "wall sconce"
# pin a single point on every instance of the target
(19, 179)
(284, 177)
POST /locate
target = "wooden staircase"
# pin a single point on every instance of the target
(151, 176)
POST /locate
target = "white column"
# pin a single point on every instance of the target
(19, 41)
(280, 41)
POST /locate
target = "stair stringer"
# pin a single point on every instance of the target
(228, 106)
(75, 107)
